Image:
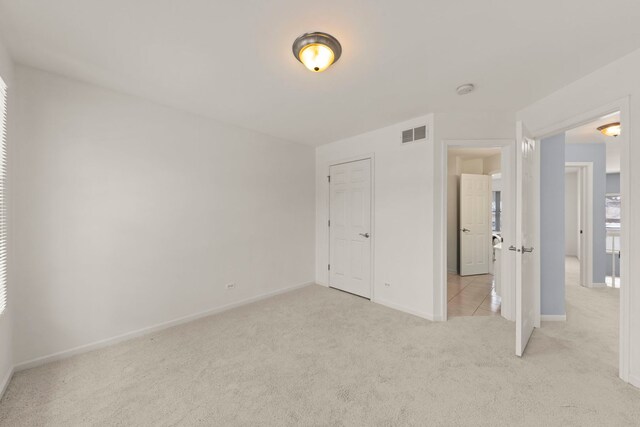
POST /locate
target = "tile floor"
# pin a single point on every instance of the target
(472, 296)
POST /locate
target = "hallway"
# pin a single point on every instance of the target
(592, 318)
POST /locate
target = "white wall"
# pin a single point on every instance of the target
(130, 214)
(473, 166)
(602, 87)
(493, 164)
(571, 222)
(403, 222)
(454, 169)
(6, 342)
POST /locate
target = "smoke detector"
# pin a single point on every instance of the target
(465, 89)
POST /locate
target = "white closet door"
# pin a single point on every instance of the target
(350, 227)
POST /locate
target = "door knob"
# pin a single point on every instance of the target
(465, 230)
(366, 235)
(527, 249)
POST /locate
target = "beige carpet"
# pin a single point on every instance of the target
(322, 357)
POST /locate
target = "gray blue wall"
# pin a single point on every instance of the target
(597, 154)
(552, 159)
(613, 183)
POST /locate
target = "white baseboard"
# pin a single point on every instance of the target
(634, 381)
(5, 382)
(553, 317)
(395, 306)
(144, 331)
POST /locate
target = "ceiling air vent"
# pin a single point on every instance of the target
(416, 134)
(420, 133)
(407, 136)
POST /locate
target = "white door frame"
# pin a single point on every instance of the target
(508, 182)
(622, 105)
(371, 158)
(585, 179)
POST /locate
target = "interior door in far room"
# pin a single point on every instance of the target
(350, 227)
(475, 224)
(527, 261)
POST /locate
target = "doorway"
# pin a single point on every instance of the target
(478, 216)
(350, 231)
(617, 114)
(579, 232)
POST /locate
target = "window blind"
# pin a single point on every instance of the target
(3, 196)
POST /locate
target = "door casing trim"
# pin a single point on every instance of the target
(623, 106)
(508, 145)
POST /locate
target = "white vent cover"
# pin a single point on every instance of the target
(414, 135)
(420, 133)
(407, 136)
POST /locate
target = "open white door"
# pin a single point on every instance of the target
(585, 178)
(527, 257)
(350, 227)
(475, 224)
(582, 206)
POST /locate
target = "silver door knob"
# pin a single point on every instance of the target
(366, 235)
(465, 230)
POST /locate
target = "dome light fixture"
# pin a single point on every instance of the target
(465, 89)
(610, 129)
(317, 51)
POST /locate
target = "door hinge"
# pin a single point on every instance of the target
(329, 267)
(329, 223)
(329, 178)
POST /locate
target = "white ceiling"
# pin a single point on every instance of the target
(232, 60)
(589, 134)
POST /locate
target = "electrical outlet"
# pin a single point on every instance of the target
(231, 285)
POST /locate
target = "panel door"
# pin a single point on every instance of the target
(475, 224)
(527, 261)
(350, 227)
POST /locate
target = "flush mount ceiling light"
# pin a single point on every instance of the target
(317, 51)
(465, 89)
(610, 129)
